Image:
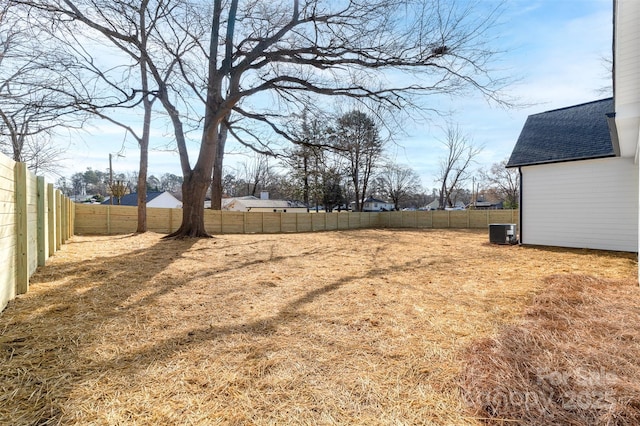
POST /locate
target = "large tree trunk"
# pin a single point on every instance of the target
(197, 180)
(216, 185)
(142, 172)
(194, 191)
(142, 190)
(146, 131)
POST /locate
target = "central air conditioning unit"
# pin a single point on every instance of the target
(502, 233)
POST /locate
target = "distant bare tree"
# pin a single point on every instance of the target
(170, 182)
(505, 182)
(306, 159)
(454, 167)
(256, 173)
(357, 139)
(398, 183)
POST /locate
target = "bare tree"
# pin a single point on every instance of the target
(306, 160)
(358, 140)
(170, 182)
(331, 49)
(454, 167)
(398, 183)
(505, 182)
(256, 173)
(31, 108)
(147, 38)
(296, 52)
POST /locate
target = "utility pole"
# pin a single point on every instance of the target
(474, 197)
(110, 180)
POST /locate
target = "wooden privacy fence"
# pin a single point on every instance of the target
(35, 220)
(105, 220)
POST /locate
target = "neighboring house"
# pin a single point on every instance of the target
(486, 205)
(570, 156)
(154, 199)
(434, 205)
(458, 205)
(253, 204)
(374, 205)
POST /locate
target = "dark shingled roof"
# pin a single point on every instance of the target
(578, 132)
(132, 199)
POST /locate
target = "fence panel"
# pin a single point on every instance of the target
(162, 220)
(325, 221)
(233, 222)
(25, 227)
(289, 222)
(271, 222)
(8, 225)
(103, 220)
(32, 223)
(212, 221)
(305, 222)
(41, 211)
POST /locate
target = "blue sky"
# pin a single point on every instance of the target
(554, 48)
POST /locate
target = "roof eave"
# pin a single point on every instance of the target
(562, 160)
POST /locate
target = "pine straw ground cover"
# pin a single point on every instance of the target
(573, 360)
(353, 327)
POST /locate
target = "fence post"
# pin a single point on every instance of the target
(51, 219)
(22, 261)
(58, 220)
(72, 228)
(67, 202)
(42, 221)
(63, 219)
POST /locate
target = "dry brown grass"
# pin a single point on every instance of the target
(573, 360)
(354, 327)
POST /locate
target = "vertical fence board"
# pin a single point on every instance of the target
(22, 260)
(32, 222)
(42, 222)
(72, 217)
(63, 222)
(58, 198)
(67, 220)
(51, 219)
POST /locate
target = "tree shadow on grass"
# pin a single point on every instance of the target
(46, 337)
(42, 332)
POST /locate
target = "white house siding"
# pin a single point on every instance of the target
(165, 200)
(584, 204)
(627, 74)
